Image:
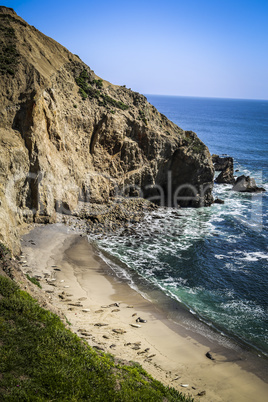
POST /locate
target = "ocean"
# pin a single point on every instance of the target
(210, 261)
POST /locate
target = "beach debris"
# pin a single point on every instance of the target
(209, 356)
(99, 311)
(100, 324)
(113, 346)
(105, 306)
(139, 319)
(149, 357)
(127, 344)
(67, 286)
(202, 393)
(105, 337)
(61, 296)
(67, 300)
(119, 331)
(184, 385)
(135, 325)
(81, 330)
(82, 298)
(49, 291)
(75, 304)
(51, 280)
(115, 310)
(176, 378)
(133, 315)
(62, 280)
(53, 266)
(57, 269)
(86, 310)
(146, 350)
(129, 306)
(136, 348)
(71, 308)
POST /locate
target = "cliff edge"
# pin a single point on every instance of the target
(67, 136)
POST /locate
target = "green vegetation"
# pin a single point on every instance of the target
(34, 281)
(142, 116)
(192, 141)
(92, 89)
(98, 83)
(3, 251)
(198, 147)
(8, 52)
(41, 360)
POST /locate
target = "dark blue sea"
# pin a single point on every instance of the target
(213, 261)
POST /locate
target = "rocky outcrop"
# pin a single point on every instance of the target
(218, 201)
(226, 166)
(67, 137)
(246, 184)
(221, 162)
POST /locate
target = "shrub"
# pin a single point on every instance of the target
(87, 90)
(34, 281)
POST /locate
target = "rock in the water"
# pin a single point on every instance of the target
(226, 167)
(221, 162)
(246, 184)
(218, 201)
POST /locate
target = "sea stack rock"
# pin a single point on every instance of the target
(67, 137)
(226, 166)
(246, 184)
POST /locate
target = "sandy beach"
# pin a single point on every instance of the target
(103, 310)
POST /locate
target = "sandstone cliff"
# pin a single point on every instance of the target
(66, 135)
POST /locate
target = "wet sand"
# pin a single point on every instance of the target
(103, 310)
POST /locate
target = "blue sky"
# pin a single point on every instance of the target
(209, 48)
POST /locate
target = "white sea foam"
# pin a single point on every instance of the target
(220, 256)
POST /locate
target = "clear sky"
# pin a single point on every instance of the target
(212, 48)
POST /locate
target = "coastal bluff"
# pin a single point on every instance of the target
(67, 136)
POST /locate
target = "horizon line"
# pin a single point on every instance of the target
(207, 97)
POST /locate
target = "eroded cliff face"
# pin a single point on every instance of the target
(68, 136)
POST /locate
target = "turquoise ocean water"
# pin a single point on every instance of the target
(214, 260)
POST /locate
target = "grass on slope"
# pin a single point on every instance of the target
(41, 360)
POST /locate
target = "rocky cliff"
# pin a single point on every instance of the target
(68, 136)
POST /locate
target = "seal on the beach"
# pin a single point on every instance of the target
(209, 356)
(140, 320)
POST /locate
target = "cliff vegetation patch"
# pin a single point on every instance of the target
(8, 52)
(94, 89)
